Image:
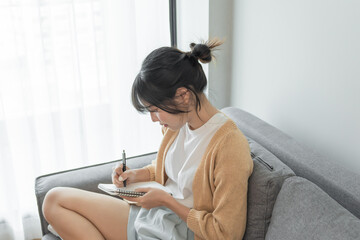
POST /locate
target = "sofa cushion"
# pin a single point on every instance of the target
(304, 211)
(264, 185)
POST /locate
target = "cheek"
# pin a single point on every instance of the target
(179, 120)
(161, 117)
(165, 118)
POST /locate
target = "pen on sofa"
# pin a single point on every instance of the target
(124, 165)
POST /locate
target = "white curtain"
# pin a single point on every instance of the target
(66, 70)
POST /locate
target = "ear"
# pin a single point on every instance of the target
(182, 96)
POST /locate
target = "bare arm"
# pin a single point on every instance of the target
(181, 210)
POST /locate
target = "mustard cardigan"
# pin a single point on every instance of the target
(220, 183)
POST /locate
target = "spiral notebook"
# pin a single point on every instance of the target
(129, 190)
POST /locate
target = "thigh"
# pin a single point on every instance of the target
(108, 214)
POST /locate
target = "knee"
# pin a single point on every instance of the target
(52, 202)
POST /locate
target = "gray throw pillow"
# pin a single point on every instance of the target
(264, 185)
(304, 211)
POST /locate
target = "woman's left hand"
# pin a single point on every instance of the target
(153, 198)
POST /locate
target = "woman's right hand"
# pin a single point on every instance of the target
(118, 176)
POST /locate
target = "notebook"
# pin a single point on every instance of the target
(129, 190)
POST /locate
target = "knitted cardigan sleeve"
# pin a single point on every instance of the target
(151, 169)
(221, 214)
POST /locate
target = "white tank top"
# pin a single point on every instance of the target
(184, 157)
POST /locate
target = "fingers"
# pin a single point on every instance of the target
(124, 176)
(118, 176)
(119, 170)
(132, 199)
(116, 181)
(119, 180)
(142, 189)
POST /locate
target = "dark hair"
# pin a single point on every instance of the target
(165, 70)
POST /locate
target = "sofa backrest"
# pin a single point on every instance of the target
(339, 183)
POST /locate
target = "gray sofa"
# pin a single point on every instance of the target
(294, 193)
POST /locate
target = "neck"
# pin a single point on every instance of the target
(207, 111)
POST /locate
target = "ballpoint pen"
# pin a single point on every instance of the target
(124, 165)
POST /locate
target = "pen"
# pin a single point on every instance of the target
(124, 165)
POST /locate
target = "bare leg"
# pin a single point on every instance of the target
(79, 214)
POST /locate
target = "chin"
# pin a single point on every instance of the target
(173, 128)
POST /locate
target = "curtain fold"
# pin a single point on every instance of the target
(66, 70)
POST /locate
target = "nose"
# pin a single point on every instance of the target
(153, 117)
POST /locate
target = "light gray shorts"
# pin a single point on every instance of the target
(156, 223)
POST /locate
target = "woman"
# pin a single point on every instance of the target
(204, 159)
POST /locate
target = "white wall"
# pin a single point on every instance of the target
(221, 26)
(203, 19)
(296, 65)
(192, 24)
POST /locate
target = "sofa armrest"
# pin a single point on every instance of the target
(86, 178)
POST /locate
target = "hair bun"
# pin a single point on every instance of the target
(202, 51)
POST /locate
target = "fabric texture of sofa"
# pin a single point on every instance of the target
(294, 193)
